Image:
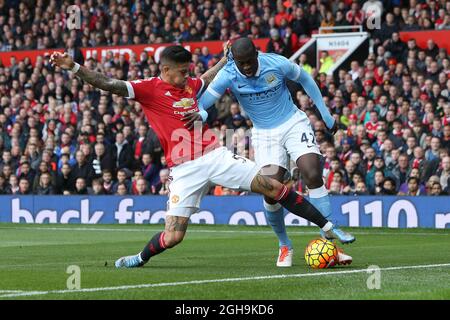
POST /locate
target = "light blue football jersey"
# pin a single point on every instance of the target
(264, 97)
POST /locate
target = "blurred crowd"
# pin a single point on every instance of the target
(59, 135)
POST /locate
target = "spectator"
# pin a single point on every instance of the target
(413, 187)
(141, 187)
(80, 186)
(361, 189)
(13, 185)
(278, 45)
(150, 170)
(107, 179)
(121, 179)
(24, 186)
(3, 185)
(64, 180)
(82, 169)
(444, 173)
(162, 187)
(43, 168)
(102, 160)
(404, 188)
(122, 189)
(44, 187)
(389, 187)
(97, 188)
(122, 153)
(24, 171)
(436, 190)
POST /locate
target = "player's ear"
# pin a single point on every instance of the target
(164, 68)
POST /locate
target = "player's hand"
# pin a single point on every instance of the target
(62, 60)
(334, 129)
(190, 119)
(226, 48)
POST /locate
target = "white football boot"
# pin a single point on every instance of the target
(343, 259)
(285, 257)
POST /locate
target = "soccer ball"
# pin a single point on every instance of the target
(321, 253)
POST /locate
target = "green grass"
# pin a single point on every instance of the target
(36, 257)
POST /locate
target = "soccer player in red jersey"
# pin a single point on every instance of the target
(194, 156)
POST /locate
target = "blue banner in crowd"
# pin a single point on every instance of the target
(362, 211)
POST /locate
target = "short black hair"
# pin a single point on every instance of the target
(243, 46)
(413, 178)
(175, 54)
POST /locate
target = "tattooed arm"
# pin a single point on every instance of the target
(94, 78)
(209, 75)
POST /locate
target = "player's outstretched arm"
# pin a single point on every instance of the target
(207, 100)
(209, 75)
(313, 91)
(98, 80)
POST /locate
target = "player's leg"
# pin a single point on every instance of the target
(311, 171)
(187, 187)
(274, 213)
(240, 173)
(173, 234)
(271, 157)
(294, 202)
(307, 154)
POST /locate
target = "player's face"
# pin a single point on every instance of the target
(176, 74)
(247, 64)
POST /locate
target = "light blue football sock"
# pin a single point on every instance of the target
(275, 218)
(321, 200)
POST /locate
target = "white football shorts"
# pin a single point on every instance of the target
(294, 137)
(192, 180)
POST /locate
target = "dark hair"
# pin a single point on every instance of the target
(382, 172)
(413, 178)
(391, 180)
(23, 178)
(175, 54)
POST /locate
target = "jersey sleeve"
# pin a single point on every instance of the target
(215, 89)
(199, 86)
(220, 83)
(140, 90)
(290, 69)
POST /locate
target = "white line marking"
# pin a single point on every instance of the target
(223, 231)
(171, 284)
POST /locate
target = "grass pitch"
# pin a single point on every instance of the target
(217, 262)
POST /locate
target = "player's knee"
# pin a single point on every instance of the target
(312, 177)
(171, 239)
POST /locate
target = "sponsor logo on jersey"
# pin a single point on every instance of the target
(184, 103)
(269, 93)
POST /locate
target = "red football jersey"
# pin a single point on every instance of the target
(164, 106)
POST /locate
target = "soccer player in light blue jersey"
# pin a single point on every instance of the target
(258, 81)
